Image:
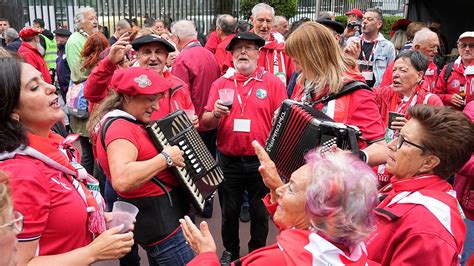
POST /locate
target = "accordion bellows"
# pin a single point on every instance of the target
(201, 176)
(299, 128)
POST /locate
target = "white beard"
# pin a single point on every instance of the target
(40, 49)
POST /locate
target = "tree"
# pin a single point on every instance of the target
(284, 8)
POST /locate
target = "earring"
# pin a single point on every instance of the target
(15, 117)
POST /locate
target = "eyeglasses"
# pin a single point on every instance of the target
(464, 45)
(16, 223)
(246, 47)
(401, 140)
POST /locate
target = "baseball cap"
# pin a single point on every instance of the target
(356, 12)
(151, 38)
(467, 34)
(138, 81)
(245, 36)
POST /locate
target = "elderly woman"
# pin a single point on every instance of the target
(49, 185)
(324, 72)
(11, 223)
(418, 222)
(324, 212)
(406, 89)
(130, 161)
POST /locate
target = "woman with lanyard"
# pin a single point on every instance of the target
(325, 71)
(406, 91)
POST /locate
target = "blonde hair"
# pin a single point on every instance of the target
(321, 59)
(6, 206)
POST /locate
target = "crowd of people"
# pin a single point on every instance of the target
(405, 200)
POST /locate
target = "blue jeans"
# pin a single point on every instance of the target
(173, 251)
(469, 242)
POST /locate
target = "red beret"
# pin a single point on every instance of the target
(401, 24)
(138, 81)
(28, 32)
(356, 12)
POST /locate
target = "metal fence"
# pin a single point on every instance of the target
(60, 13)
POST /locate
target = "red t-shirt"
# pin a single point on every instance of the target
(136, 134)
(54, 212)
(179, 99)
(266, 96)
(221, 52)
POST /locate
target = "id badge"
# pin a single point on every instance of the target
(242, 125)
(368, 75)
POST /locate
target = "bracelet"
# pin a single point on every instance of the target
(214, 114)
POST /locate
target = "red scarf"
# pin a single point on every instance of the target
(62, 151)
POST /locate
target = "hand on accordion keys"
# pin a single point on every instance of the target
(176, 155)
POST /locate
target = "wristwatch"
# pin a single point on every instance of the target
(169, 161)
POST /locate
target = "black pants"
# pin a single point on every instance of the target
(240, 174)
(87, 156)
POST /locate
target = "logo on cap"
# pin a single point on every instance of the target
(143, 81)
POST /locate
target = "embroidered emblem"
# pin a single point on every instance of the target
(261, 94)
(142, 81)
(455, 83)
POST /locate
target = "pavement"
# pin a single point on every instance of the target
(214, 225)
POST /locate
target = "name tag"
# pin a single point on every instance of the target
(242, 125)
(368, 75)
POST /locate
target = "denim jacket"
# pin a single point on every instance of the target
(384, 54)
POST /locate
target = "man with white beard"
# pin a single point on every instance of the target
(32, 51)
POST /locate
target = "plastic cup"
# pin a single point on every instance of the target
(189, 113)
(226, 95)
(123, 213)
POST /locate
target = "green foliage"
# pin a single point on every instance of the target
(342, 19)
(286, 8)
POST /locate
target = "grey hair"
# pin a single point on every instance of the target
(227, 23)
(123, 24)
(79, 17)
(417, 59)
(341, 196)
(260, 7)
(279, 19)
(11, 34)
(423, 35)
(183, 29)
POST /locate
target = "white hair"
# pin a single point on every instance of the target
(123, 24)
(79, 17)
(423, 35)
(260, 7)
(184, 29)
(279, 19)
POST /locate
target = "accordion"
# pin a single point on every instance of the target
(201, 175)
(299, 128)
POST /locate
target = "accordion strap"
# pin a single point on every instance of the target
(346, 89)
(103, 131)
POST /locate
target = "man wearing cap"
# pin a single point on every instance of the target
(335, 27)
(272, 55)
(354, 22)
(425, 41)
(256, 95)
(62, 68)
(371, 50)
(31, 50)
(451, 83)
(130, 160)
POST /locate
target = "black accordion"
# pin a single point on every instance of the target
(201, 175)
(299, 128)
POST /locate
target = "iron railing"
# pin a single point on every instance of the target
(60, 13)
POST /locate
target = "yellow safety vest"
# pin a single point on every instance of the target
(50, 53)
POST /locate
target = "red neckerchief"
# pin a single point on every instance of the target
(411, 184)
(49, 146)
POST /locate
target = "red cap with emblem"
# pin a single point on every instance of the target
(138, 81)
(28, 32)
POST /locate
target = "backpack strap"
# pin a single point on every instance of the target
(346, 89)
(449, 70)
(103, 131)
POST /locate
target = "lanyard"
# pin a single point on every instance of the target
(371, 56)
(242, 106)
